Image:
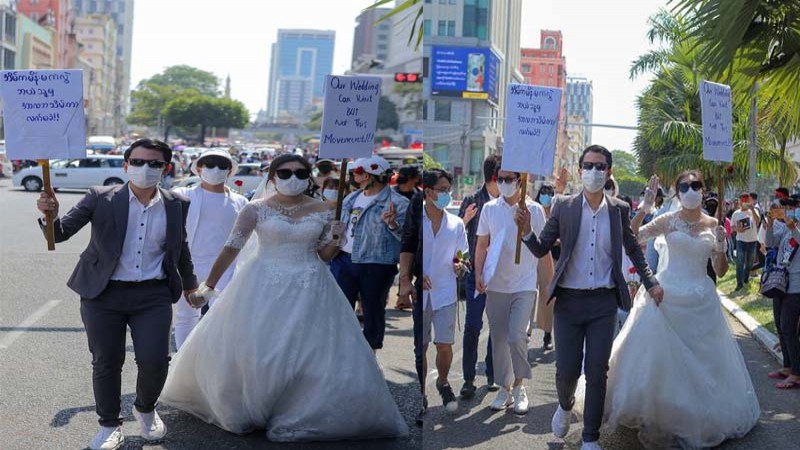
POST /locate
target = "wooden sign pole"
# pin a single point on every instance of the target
(720, 195)
(51, 229)
(342, 186)
(522, 204)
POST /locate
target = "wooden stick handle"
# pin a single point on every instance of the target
(720, 195)
(342, 186)
(524, 194)
(49, 219)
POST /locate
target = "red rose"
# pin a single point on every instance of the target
(793, 242)
(729, 169)
(359, 170)
(238, 183)
(456, 260)
(632, 270)
(374, 167)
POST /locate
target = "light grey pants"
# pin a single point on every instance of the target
(509, 315)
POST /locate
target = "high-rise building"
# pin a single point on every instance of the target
(580, 103)
(55, 13)
(121, 12)
(471, 52)
(8, 35)
(547, 66)
(97, 35)
(299, 62)
(372, 39)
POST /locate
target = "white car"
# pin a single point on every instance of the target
(249, 174)
(95, 170)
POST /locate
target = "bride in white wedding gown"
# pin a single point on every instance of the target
(676, 373)
(281, 349)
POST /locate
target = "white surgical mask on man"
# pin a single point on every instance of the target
(291, 187)
(593, 180)
(508, 189)
(213, 176)
(144, 177)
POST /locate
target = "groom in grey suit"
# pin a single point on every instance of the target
(137, 264)
(589, 286)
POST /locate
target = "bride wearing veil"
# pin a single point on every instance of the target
(281, 350)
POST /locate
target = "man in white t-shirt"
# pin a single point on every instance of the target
(444, 237)
(511, 289)
(212, 213)
(745, 222)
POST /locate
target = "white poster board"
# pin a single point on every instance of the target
(349, 116)
(715, 100)
(43, 114)
(531, 128)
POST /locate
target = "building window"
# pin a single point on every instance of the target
(442, 28)
(8, 59)
(424, 110)
(382, 47)
(476, 19)
(11, 29)
(441, 154)
(550, 69)
(426, 30)
(451, 27)
(452, 2)
(526, 68)
(441, 111)
(549, 43)
(442, 2)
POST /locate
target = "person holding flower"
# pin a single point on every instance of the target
(786, 307)
(445, 256)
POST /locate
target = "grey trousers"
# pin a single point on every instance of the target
(147, 310)
(509, 315)
(584, 317)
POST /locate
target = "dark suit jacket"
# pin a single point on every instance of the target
(564, 224)
(106, 207)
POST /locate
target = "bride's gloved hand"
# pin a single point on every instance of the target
(650, 194)
(201, 296)
(720, 234)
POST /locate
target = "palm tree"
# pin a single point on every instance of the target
(669, 139)
(407, 5)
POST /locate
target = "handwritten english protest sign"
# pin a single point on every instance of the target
(531, 128)
(349, 116)
(715, 101)
(43, 113)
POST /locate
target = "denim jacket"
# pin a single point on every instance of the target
(374, 242)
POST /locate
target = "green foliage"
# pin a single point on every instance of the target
(387, 114)
(416, 27)
(204, 112)
(631, 186)
(429, 163)
(625, 164)
(187, 77)
(315, 122)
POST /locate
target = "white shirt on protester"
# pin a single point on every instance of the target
(590, 265)
(360, 204)
(437, 258)
(215, 222)
(497, 218)
(751, 234)
(145, 241)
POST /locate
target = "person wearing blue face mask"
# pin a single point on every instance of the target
(543, 313)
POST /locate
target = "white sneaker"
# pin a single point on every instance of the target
(561, 422)
(520, 400)
(108, 438)
(591, 446)
(502, 401)
(153, 429)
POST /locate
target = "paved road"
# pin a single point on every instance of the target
(46, 397)
(474, 426)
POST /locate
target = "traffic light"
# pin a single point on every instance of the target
(408, 77)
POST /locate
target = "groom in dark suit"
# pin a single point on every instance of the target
(589, 285)
(137, 264)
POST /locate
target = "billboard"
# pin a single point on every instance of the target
(464, 72)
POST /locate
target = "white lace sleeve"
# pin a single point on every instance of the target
(657, 227)
(245, 224)
(326, 237)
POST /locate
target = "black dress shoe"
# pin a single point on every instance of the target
(468, 391)
(548, 341)
(490, 385)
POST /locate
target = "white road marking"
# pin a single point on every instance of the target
(12, 336)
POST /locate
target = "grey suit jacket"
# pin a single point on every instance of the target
(564, 224)
(106, 207)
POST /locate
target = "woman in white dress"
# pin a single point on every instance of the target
(284, 351)
(676, 373)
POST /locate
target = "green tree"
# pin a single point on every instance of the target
(429, 163)
(417, 29)
(625, 164)
(204, 112)
(188, 77)
(387, 114)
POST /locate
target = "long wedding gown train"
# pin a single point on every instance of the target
(282, 350)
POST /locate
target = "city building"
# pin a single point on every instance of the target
(8, 35)
(471, 52)
(55, 13)
(97, 36)
(121, 12)
(35, 44)
(299, 62)
(371, 38)
(547, 66)
(580, 103)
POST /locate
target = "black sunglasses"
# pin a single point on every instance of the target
(214, 165)
(599, 166)
(285, 174)
(694, 185)
(152, 163)
(508, 180)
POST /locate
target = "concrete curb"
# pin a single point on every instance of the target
(761, 334)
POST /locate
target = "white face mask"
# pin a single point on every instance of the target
(330, 195)
(213, 176)
(691, 199)
(291, 187)
(144, 177)
(508, 189)
(593, 180)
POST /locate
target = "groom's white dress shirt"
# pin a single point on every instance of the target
(145, 241)
(590, 265)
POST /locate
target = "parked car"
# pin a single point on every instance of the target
(96, 170)
(249, 174)
(6, 168)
